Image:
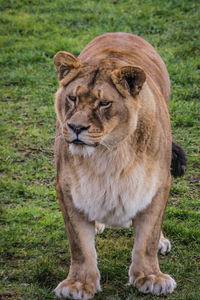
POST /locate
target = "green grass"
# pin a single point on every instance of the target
(34, 252)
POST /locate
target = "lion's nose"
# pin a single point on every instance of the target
(77, 128)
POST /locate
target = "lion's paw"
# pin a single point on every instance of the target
(76, 290)
(161, 284)
(99, 228)
(164, 245)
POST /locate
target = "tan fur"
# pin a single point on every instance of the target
(114, 100)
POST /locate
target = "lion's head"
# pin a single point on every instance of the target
(97, 103)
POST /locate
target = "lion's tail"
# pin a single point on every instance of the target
(179, 161)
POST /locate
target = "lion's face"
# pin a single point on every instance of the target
(96, 107)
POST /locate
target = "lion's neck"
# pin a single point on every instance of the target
(114, 161)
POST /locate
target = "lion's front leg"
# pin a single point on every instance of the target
(83, 280)
(144, 272)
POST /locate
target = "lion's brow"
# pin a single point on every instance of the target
(81, 90)
(92, 81)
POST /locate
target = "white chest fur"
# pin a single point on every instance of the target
(111, 191)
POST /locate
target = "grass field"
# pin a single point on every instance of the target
(34, 249)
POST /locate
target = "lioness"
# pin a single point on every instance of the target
(113, 153)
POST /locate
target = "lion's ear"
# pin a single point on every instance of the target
(128, 79)
(65, 62)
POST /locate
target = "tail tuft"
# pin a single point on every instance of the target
(179, 161)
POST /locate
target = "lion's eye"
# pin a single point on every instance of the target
(104, 104)
(72, 98)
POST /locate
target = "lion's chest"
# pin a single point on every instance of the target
(110, 199)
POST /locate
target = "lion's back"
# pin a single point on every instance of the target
(133, 50)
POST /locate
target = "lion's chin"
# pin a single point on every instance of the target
(82, 150)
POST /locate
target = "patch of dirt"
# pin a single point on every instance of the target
(7, 295)
(193, 179)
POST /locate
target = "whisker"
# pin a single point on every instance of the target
(106, 145)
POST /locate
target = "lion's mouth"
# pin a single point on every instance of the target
(78, 142)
